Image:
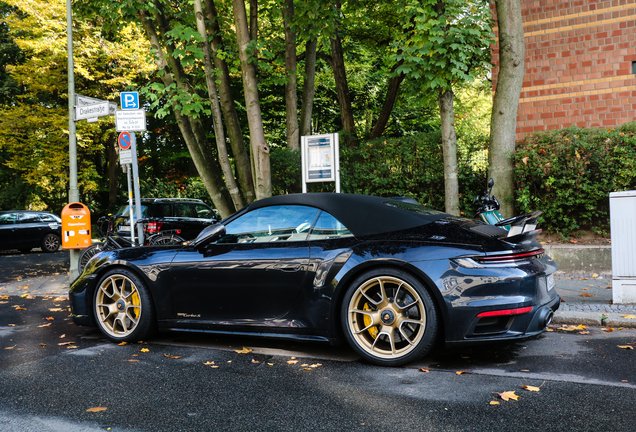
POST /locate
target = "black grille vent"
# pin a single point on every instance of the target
(490, 230)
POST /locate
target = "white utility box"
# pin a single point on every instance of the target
(623, 226)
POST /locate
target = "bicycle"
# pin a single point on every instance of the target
(110, 242)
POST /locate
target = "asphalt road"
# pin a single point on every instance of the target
(14, 265)
(586, 382)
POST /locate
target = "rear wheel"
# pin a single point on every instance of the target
(165, 239)
(389, 318)
(123, 307)
(50, 243)
(88, 253)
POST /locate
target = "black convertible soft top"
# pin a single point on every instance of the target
(361, 214)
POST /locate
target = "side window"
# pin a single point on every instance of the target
(47, 218)
(27, 218)
(271, 224)
(203, 212)
(8, 218)
(328, 227)
(182, 210)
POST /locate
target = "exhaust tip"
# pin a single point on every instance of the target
(548, 318)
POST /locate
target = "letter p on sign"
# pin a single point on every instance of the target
(129, 100)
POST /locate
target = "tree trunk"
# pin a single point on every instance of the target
(291, 96)
(224, 158)
(503, 122)
(389, 102)
(449, 146)
(235, 134)
(253, 20)
(113, 163)
(309, 88)
(260, 149)
(210, 176)
(342, 87)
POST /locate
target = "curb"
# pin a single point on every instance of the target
(593, 319)
(581, 259)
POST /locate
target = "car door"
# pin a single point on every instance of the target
(8, 232)
(253, 273)
(30, 230)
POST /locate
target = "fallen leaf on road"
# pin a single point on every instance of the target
(49, 318)
(11, 347)
(55, 309)
(573, 327)
(243, 351)
(609, 329)
(63, 336)
(208, 363)
(45, 325)
(132, 360)
(508, 395)
(292, 361)
(587, 295)
(145, 350)
(316, 365)
(584, 332)
(585, 289)
(531, 388)
(625, 347)
(4, 297)
(123, 343)
(307, 369)
(65, 343)
(72, 347)
(11, 325)
(461, 372)
(43, 344)
(255, 361)
(56, 299)
(4, 302)
(595, 275)
(424, 370)
(624, 381)
(16, 307)
(97, 409)
(494, 403)
(628, 316)
(172, 356)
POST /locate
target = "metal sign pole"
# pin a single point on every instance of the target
(130, 205)
(73, 193)
(303, 159)
(336, 143)
(135, 170)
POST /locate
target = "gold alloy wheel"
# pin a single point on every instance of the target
(387, 317)
(118, 306)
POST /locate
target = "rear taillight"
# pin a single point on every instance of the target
(504, 312)
(507, 258)
(153, 227)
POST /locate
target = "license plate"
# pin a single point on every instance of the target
(124, 228)
(550, 281)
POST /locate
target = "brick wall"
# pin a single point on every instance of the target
(578, 67)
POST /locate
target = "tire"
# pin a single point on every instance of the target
(50, 243)
(123, 307)
(89, 253)
(165, 239)
(389, 318)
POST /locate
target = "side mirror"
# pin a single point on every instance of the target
(491, 183)
(209, 234)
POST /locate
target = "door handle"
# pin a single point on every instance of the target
(289, 267)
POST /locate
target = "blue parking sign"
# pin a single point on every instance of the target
(129, 100)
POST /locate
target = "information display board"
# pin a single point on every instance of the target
(320, 159)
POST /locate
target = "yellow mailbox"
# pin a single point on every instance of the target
(76, 226)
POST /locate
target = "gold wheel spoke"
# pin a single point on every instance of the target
(113, 320)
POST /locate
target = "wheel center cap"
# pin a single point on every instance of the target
(121, 305)
(387, 317)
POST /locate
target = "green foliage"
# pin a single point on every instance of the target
(286, 171)
(569, 174)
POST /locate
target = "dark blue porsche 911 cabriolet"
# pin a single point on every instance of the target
(386, 275)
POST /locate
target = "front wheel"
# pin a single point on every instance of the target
(389, 318)
(123, 307)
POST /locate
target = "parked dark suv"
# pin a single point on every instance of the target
(25, 230)
(184, 215)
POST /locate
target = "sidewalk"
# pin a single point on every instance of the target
(586, 299)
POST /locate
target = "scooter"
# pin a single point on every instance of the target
(488, 212)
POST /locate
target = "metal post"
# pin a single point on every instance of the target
(303, 163)
(135, 169)
(130, 205)
(336, 150)
(73, 193)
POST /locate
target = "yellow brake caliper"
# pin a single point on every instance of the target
(373, 331)
(137, 303)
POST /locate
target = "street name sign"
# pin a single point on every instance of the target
(130, 120)
(129, 100)
(91, 111)
(86, 100)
